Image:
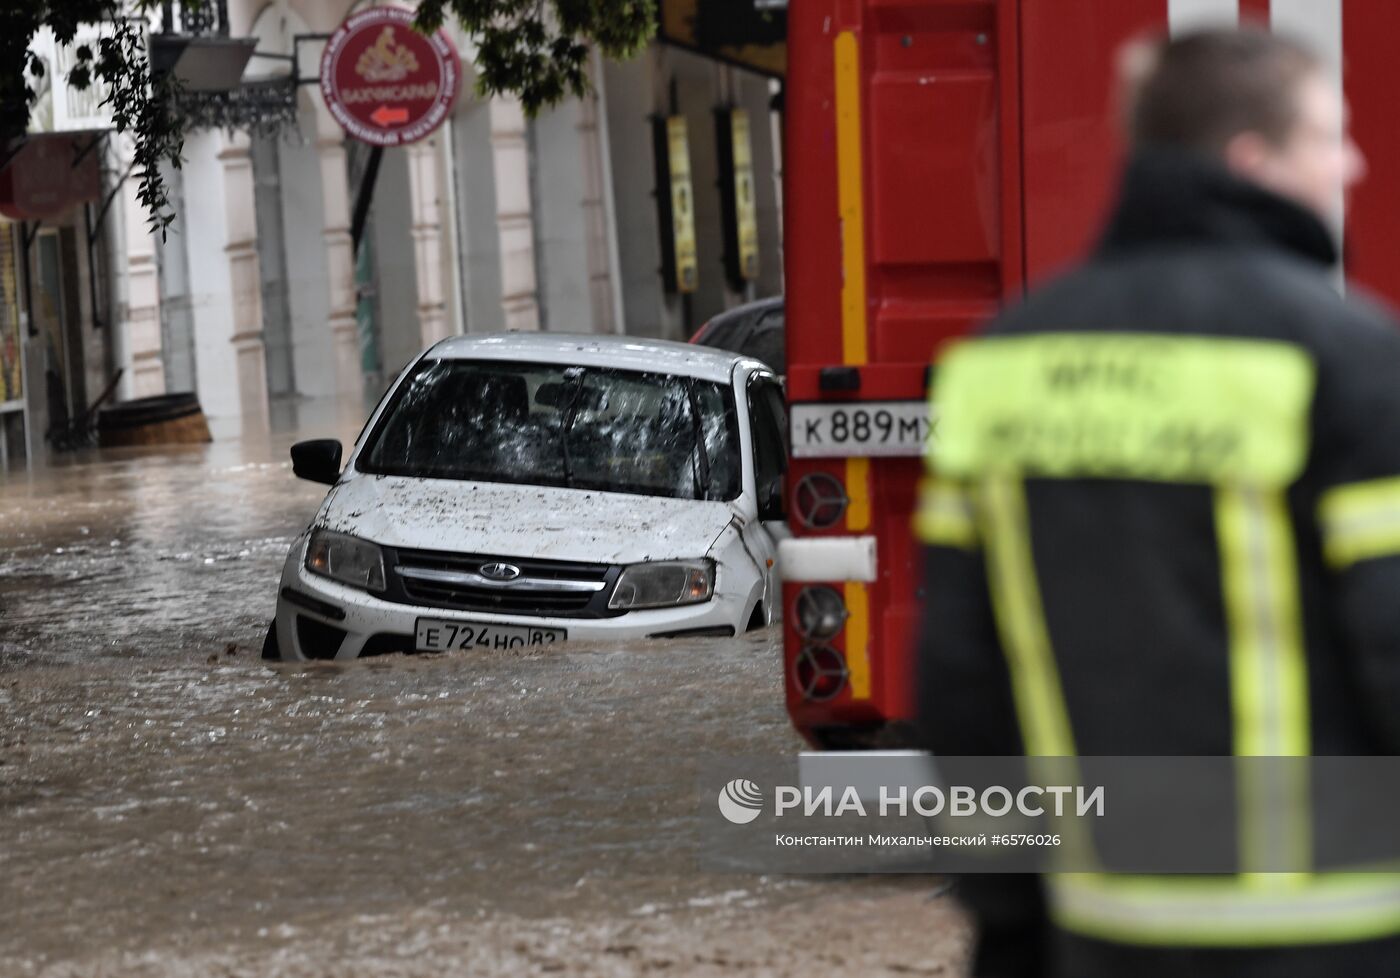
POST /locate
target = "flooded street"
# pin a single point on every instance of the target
(172, 805)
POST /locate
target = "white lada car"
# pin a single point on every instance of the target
(523, 489)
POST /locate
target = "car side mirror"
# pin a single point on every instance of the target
(317, 460)
(770, 501)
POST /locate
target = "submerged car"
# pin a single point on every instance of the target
(523, 489)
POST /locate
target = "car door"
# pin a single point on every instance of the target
(768, 421)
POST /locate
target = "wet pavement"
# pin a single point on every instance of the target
(172, 805)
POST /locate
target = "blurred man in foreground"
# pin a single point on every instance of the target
(1164, 518)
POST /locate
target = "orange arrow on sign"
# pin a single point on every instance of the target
(385, 116)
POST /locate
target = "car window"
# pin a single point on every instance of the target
(768, 415)
(557, 425)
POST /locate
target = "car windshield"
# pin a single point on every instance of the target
(558, 425)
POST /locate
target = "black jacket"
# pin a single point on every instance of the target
(1129, 571)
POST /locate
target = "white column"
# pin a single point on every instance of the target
(1318, 24)
(453, 255)
(138, 328)
(477, 230)
(426, 200)
(511, 162)
(570, 245)
(340, 255)
(1189, 15)
(221, 245)
(597, 216)
(635, 90)
(617, 315)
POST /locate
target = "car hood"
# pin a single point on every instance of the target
(516, 521)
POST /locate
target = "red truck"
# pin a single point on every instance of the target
(940, 157)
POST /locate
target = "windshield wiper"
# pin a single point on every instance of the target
(699, 431)
(568, 423)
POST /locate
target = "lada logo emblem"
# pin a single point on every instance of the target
(500, 572)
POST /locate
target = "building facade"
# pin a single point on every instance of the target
(258, 300)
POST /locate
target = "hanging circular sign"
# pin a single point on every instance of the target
(385, 83)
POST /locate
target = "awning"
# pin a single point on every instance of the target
(51, 173)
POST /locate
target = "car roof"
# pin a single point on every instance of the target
(760, 307)
(730, 320)
(595, 350)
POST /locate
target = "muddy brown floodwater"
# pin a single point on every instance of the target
(171, 805)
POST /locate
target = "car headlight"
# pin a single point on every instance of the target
(664, 584)
(346, 559)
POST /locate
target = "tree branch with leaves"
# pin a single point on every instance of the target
(117, 59)
(537, 50)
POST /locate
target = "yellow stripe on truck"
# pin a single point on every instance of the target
(858, 639)
(849, 200)
(854, 352)
(857, 595)
(858, 494)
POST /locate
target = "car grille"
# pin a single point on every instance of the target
(542, 588)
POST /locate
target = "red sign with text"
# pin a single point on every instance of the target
(385, 83)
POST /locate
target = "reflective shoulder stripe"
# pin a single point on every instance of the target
(1201, 410)
(1226, 911)
(945, 515)
(1360, 521)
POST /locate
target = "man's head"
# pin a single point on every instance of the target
(1262, 105)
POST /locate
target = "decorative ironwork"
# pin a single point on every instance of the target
(263, 106)
(208, 18)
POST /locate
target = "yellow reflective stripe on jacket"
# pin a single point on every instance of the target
(1268, 667)
(945, 515)
(1360, 521)
(1136, 406)
(1268, 674)
(1035, 679)
(1226, 911)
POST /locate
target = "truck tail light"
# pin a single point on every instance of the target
(820, 500)
(820, 672)
(821, 612)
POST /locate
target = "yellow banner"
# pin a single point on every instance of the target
(11, 386)
(682, 204)
(745, 209)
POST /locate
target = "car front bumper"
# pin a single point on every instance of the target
(370, 625)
